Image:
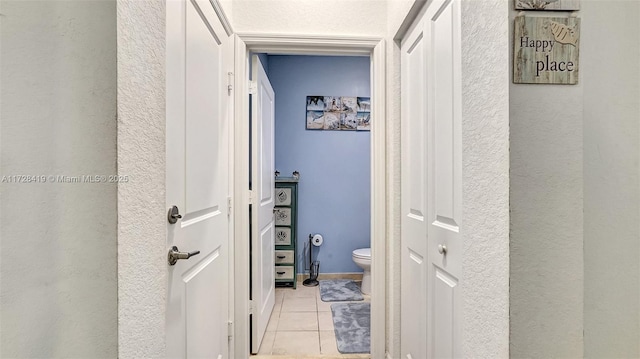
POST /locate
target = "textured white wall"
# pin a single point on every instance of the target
(485, 178)
(328, 17)
(142, 263)
(611, 83)
(58, 259)
(546, 219)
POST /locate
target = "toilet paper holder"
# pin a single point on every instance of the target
(314, 241)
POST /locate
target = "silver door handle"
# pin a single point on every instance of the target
(442, 249)
(175, 254)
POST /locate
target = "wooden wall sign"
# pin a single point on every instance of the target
(568, 5)
(546, 50)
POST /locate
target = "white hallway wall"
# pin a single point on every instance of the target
(485, 178)
(546, 219)
(142, 251)
(575, 246)
(58, 240)
(611, 135)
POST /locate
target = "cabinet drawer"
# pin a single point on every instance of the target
(283, 196)
(284, 257)
(283, 216)
(283, 236)
(284, 272)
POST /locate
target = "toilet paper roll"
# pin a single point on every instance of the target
(317, 240)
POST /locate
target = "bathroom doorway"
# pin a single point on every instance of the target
(322, 159)
(306, 299)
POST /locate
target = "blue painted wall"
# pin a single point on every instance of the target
(334, 165)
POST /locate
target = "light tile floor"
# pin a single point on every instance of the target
(301, 325)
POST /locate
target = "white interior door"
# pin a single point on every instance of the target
(414, 266)
(262, 203)
(444, 168)
(199, 55)
(431, 184)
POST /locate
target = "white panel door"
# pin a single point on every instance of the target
(414, 267)
(441, 186)
(199, 54)
(262, 203)
(444, 168)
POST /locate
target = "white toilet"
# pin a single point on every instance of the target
(362, 257)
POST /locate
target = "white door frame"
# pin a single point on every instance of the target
(309, 45)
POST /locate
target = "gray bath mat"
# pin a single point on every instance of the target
(339, 290)
(352, 324)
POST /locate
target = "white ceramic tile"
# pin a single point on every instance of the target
(323, 306)
(301, 292)
(325, 321)
(295, 342)
(301, 326)
(328, 344)
(267, 343)
(298, 321)
(303, 304)
(272, 326)
(278, 304)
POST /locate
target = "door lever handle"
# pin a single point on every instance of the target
(175, 254)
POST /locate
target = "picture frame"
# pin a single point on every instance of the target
(338, 113)
(548, 5)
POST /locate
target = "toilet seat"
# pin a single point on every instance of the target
(362, 253)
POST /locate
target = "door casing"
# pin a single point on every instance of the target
(307, 45)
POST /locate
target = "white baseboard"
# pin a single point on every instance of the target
(321, 276)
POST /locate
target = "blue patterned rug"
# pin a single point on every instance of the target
(339, 290)
(352, 324)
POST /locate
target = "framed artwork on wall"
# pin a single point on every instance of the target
(315, 120)
(564, 5)
(338, 113)
(546, 50)
(315, 103)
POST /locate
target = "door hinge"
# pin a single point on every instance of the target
(251, 306)
(230, 329)
(230, 83)
(229, 206)
(250, 196)
(253, 87)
